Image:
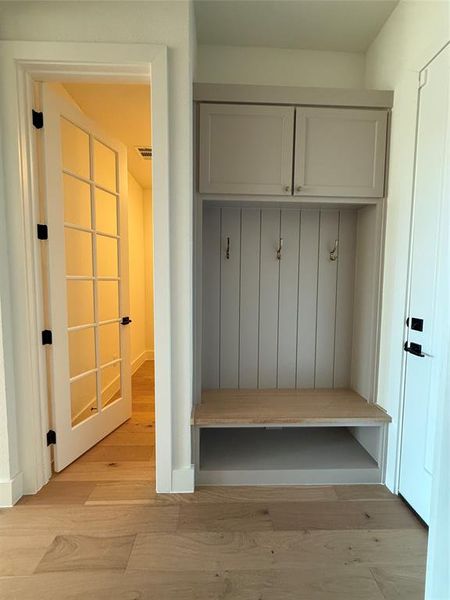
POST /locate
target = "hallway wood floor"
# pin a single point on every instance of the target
(98, 531)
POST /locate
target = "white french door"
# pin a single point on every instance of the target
(425, 336)
(88, 303)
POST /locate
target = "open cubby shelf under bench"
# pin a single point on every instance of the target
(270, 437)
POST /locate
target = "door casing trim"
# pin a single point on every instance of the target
(22, 64)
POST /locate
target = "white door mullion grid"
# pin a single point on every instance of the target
(95, 273)
(90, 180)
(76, 435)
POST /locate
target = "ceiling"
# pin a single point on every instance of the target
(123, 111)
(339, 25)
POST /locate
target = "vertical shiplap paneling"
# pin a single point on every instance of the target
(288, 299)
(270, 323)
(211, 297)
(249, 311)
(268, 310)
(230, 297)
(326, 300)
(307, 298)
(344, 299)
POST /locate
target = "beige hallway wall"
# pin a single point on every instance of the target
(141, 271)
(148, 249)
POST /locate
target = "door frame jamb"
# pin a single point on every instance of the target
(22, 64)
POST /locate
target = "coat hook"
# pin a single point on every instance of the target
(227, 253)
(334, 253)
(280, 247)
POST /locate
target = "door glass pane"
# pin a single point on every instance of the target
(109, 342)
(83, 397)
(81, 351)
(107, 257)
(111, 384)
(105, 212)
(78, 252)
(77, 201)
(75, 149)
(80, 302)
(104, 166)
(108, 300)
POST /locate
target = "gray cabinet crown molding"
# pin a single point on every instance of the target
(296, 96)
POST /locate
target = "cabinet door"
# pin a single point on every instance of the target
(246, 149)
(340, 152)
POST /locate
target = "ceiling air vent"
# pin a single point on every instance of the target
(144, 152)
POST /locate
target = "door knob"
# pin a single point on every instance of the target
(414, 348)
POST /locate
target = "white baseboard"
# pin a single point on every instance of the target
(141, 359)
(183, 480)
(11, 491)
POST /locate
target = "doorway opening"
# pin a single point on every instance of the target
(98, 301)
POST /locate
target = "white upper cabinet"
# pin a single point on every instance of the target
(246, 149)
(340, 152)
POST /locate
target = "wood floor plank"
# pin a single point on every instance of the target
(350, 583)
(363, 492)
(20, 555)
(224, 517)
(119, 453)
(264, 494)
(125, 492)
(87, 520)
(123, 438)
(60, 492)
(135, 425)
(277, 549)
(400, 583)
(369, 514)
(143, 492)
(87, 553)
(107, 471)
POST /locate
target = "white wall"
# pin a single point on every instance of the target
(158, 22)
(275, 66)
(409, 39)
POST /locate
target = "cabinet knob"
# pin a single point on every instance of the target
(298, 188)
(287, 188)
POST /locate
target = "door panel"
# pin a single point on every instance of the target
(422, 375)
(88, 278)
(340, 152)
(246, 149)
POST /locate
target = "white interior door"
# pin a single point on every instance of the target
(86, 187)
(424, 338)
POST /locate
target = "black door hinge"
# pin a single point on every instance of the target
(47, 337)
(38, 119)
(414, 323)
(51, 437)
(42, 231)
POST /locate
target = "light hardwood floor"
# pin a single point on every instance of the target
(98, 531)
